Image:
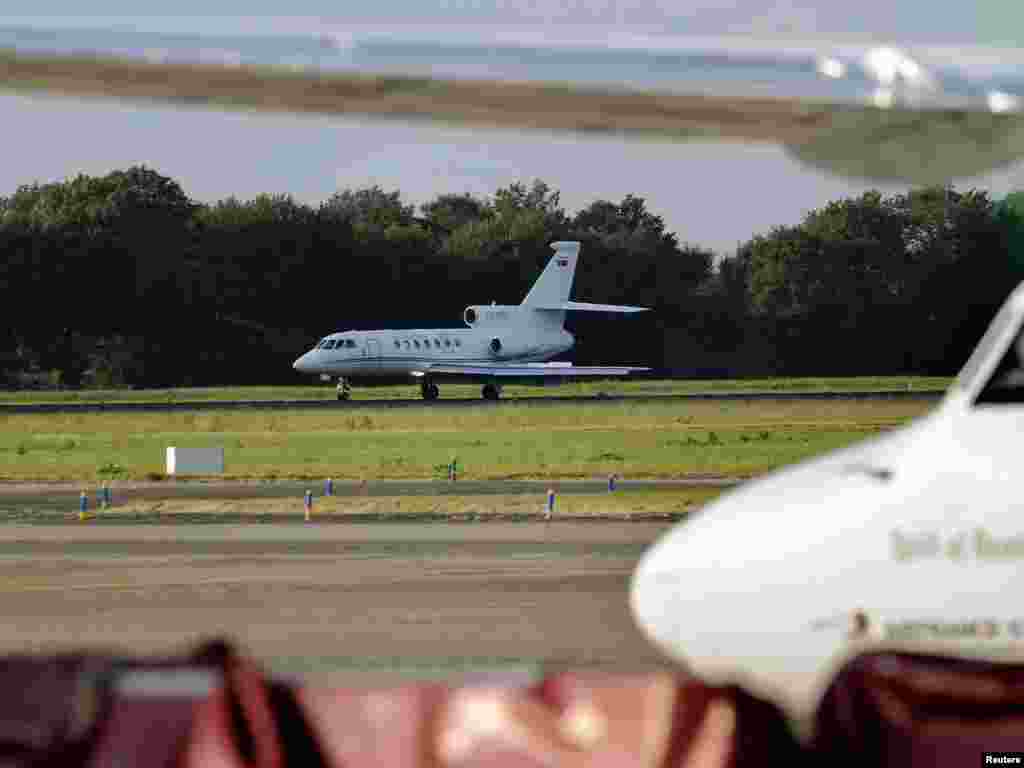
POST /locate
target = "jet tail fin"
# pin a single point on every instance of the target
(555, 282)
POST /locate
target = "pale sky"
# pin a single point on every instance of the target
(711, 194)
(988, 21)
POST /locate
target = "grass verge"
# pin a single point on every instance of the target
(632, 504)
(580, 440)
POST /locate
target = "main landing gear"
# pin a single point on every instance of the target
(429, 390)
(491, 391)
(344, 389)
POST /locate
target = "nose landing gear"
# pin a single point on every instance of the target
(344, 389)
(429, 391)
(491, 392)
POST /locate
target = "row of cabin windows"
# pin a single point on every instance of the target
(337, 344)
(426, 343)
(351, 344)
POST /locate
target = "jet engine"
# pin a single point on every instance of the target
(493, 315)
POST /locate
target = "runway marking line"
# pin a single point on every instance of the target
(454, 572)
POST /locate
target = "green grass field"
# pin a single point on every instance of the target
(634, 387)
(634, 439)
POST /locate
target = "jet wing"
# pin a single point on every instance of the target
(526, 371)
(877, 108)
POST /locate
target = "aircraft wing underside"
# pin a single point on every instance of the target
(920, 113)
(528, 371)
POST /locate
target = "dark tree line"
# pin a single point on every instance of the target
(124, 280)
(877, 284)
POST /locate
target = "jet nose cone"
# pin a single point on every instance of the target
(302, 364)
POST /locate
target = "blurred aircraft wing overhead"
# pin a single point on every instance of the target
(917, 113)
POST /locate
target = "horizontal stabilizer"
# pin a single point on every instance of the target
(584, 306)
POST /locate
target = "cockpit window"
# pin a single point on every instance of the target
(329, 344)
(1006, 384)
(350, 343)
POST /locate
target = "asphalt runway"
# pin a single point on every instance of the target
(272, 405)
(361, 601)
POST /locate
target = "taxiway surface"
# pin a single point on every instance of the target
(355, 599)
(26, 498)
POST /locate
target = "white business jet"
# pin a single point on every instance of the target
(914, 539)
(501, 344)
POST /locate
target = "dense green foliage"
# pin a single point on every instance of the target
(873, 284)
(124, 280)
